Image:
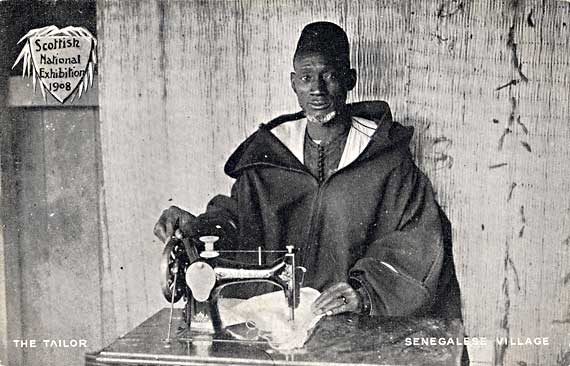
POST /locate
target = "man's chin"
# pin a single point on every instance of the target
(321, 119)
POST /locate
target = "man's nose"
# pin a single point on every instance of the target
(318, 86)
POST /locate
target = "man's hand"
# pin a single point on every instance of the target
(338, 298)
(171, 219)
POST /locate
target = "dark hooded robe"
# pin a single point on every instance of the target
(374, 222)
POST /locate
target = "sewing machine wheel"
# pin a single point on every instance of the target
(173, 250)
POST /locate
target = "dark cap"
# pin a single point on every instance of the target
(324, 38)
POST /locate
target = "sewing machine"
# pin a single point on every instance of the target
(194, 269)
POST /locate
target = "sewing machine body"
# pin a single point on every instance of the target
(194, 271)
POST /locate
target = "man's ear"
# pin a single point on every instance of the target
(292, 75)
(351, 79)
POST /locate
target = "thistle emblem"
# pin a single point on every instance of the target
(61, 61)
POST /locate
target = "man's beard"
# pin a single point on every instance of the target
(321, 119)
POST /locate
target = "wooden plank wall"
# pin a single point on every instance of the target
(9, 268)
(10, 281)
(56, 175)
(486, 84)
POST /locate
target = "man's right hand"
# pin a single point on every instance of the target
(171, 219)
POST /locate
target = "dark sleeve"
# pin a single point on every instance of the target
(223, 206)
(401, 266)
(220, 218)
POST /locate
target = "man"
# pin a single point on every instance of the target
(338, 182)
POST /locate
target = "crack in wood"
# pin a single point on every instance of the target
(521, 231)
(529, 18)
(502, 138)
(440, 139)
(439, 37)
(512, 45)
(526, 146)
(495, 166)
(515, 272)
(510, 122)
(444, 10)
(512, 187)
(563, 359)
(500, 353)
(523, 127)
(443, 143)
(510, 83)
(511, 119)
(507, 304)
(444, 158)
(501, 349)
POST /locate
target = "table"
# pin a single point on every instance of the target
(347, 339)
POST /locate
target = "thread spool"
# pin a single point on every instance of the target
(209, 251)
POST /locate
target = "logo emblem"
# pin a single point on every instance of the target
(61, 61)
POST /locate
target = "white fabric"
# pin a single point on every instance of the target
(269, 314)
(358, 138)
(292, 135)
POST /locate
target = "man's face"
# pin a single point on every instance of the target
(321, 86)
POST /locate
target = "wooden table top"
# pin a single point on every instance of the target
(339, 340)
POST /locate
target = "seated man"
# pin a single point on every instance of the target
(337, 181)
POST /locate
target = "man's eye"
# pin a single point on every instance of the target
(306, 78)
(330, 76)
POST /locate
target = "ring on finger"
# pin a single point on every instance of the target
(344, 300)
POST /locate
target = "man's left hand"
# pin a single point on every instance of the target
(339, 298)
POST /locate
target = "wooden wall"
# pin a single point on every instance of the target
(182, 83)
(59, 240)
(50, 254)
(50, 213)
(9, 274)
